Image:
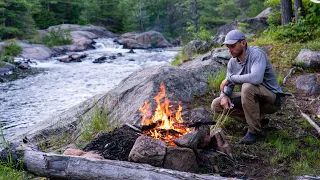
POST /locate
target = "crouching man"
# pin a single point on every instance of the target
(260, 91)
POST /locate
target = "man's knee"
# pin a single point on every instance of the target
(247, 88)
(215, 105)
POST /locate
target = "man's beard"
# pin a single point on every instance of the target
(238, 54)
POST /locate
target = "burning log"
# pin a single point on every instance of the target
(62, 167)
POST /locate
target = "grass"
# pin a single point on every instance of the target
(180, 58)
(9, 169)
(99, 122)
(300, 154)
(214, 82)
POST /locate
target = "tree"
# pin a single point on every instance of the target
(298, 11)
(286, 11)
(16, 20)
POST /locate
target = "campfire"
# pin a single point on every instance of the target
(166, 123)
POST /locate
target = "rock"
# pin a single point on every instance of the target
(100, 59)
(82, 40)
(24, 65)
(35, 51)
(196, 46)
(255, 25)
(5, 71)
(8, 65)
(183, 83)
(265, 13)
(148, 150)
(182, 159)
(97, 30)
(309, 59)
(149, 39)
(318, 113)
(221, 55)
(308, 83)
(73, 152)
(200, 114)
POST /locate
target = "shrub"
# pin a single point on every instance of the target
(12, 49)
(57, 37)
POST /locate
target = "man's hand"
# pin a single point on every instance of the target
(225, 101)
(223, 84)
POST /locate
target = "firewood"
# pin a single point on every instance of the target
(311, 121)
(292, 70)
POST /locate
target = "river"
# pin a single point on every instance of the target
(59, 86)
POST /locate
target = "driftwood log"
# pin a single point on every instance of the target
(81, 168)
(312, 123)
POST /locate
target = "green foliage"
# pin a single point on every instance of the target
(9, 169)
(313, 45)
(8, 59)
(214, 82)
(99, 122)
(179, 58)
(11, 49)
(280, 78)
(57, 37)
(243, 27)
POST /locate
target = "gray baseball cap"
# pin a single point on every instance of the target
(234, 36)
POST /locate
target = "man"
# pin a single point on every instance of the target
(260, 91)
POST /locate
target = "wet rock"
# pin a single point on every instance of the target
(5, 71)
(148, 150)
(308, 83)
(119, 54)
(149, 39)
(131, 51)
(112, 57)
(100, 60)
(24, 65)
(310, 59)
(35, 51)
(182, 159)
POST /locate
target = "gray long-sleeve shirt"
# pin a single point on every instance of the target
(255, 69)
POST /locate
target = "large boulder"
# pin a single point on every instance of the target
(101, 32)
(309, 59)
(255, 25)
(197, 46)
(149, 39)
(35, 51)
(122, 102)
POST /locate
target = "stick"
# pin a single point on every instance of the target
(310, 121)
(289, 74)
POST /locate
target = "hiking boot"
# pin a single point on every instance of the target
(249, 138)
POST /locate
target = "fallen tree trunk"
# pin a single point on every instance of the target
(81, 168)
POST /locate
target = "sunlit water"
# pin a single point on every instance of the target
(59, 86)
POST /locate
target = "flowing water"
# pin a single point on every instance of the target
(59, 86)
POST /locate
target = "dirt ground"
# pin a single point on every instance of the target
(249, 161)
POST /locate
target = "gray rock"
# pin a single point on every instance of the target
(200, 114)
(265, 13)
(148, 150)
(197, 46)
(35, 51)
(308, 83)
(182, 159)
(5, 71)
(149, 39)
(255, 25)
(97, 30)
(123, 101)
(8, 66)
(221, 55)
(310, 59)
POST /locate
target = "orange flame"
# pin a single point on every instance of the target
(166, 118)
